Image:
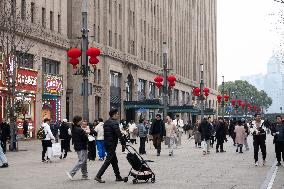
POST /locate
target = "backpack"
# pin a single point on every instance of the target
(41, 134)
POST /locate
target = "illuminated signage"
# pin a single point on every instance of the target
(53, 84)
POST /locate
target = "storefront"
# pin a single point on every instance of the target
(51, 98)
(24, 98)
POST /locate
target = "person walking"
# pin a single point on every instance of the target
(64, 136)
(197, 134)
(5, 130)
(205, 130)
(247, 133)
(100, 139)
(157, 130)
(80, 140)
(142, 133)
(123, 130)
(232, 134)
(220, 135)
(26, 129)
(171, 133)
(277, 131)
(46, 142)
(132, 131)
(240, 136)
(111, 135)
(3, 158)
(179, 124)
(259, 137)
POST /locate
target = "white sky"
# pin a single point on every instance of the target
(245, 36)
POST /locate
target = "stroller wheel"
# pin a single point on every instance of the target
(134, 181)
(125, 179)
(153, 180)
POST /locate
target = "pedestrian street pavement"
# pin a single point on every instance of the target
(188, 168)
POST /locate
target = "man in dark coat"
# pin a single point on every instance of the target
(220, 135)
(5, 130)
(277, 131)
(80, 140)
(205, 130)
(158, 131)
(111, 135)
(26, 129)
(65, 135)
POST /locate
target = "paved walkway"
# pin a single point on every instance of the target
(188, 168)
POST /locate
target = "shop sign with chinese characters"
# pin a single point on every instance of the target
(26, 80)
(53, 84)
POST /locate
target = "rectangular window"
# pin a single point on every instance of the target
(25, 60)
(120, 42)
(43, 18)
(120, 12)
(32, 12)
(151, 90)
(59, 23)
(115, 40)
(23, 9)
(110, 5)
(114, 79)
(98, 34)
(141, 89)
(133, 19)
(50, 66)
(99, 76)
(110, 38)
(51, 20)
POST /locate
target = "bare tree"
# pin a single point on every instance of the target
(15, 42)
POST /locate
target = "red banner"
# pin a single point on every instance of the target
(26, 80)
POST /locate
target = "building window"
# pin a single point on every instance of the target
(98, 34)
(59, 23)
(151, 90)
(120, 12)
(25, 60)
(115, 40)
(23, 9)
(110, 5)
(120, 42)
(141, 89)
(133, 19)
(50, 66)
(110, 38)
(99, 76)
(43, 18)
(51, 20)
(114, 79)
(32, 12)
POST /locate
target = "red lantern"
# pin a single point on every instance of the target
(93, 60)
(74, 62)
(171, 78)
(172, 84)
(74, 53)
(243, 105)
(219, 98)
(206, 90)
(239, 102)
(206, 94)
(196, 91)
(158, 79)
(226, 97)
(255, 108)
(233, 102)
(159, 84)
(93, 52)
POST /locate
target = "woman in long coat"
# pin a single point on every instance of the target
(240, 136)
(197, 135)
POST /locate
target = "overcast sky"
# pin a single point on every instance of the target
(245, 36)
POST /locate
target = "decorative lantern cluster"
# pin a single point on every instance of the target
(196, 91)
(75, 53)
(219, 98)
(159, 79)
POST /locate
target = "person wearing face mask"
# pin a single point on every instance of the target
(277, 131)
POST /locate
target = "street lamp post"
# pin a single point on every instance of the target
(85, 31)
(223, 102)
(165, 86)
(201, 97)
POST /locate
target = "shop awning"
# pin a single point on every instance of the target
(183, 109)
(206, 112)
(145, 104)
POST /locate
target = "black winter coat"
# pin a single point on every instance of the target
(5, 131)
(64, 131)
(79, 138)
(112, 133)
(221, 131)
(158, 127)
(205, 130)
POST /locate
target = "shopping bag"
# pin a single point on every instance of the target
(56, 149)
(204, 145)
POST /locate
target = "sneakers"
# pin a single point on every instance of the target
(118, 179)
(217, 151)
(222, 151)
(85, 178)
(69, 175)
(99, 180)
(5, 165)
(256, 164)
(278, 164)
(264, 162)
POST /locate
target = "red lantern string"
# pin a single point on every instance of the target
(158, 79)
(233, 102)
(159, 84)
(74, 53)
(74, 62)
(93, 60)
(171, 78)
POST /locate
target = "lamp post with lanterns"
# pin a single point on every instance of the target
(84, 69)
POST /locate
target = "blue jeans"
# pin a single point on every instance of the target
(101, 148)
(3, 158)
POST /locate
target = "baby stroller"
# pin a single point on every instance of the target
(140, 170)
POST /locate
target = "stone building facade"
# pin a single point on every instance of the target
(130, 34)
(42, 43)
